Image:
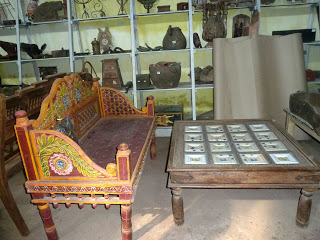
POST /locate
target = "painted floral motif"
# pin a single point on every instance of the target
(60, 164)
(59, 155)
(78, 95)
(68, 95)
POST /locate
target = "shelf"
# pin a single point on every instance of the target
(10, 61)
(161, 13)
(99, 18)
(289, 5)
(101, 55)
(312, 43)
(202, 49)
(164, 51)
(317, 81)
(181, 86)
(42, 59)
(47, 22)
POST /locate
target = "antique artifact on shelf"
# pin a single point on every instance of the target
(111, 75)
(31, 49)
(165, 8)
(174, 39)
(127, 86)
(85, 74)
(60, 53)
(147, 4)
(214, 21)
(85, 13)
(165, 74)
(167, 114)
(7, 12)
(308, 34)
(306, 105)
(45, 71)
(95, 47)
(47, 11)
(196, 40)
(182, 6)
(204, 75)
(33, 4)
(148, 48)
(255, 23)
(122, 10)
(143, 81)
(199, 4)
(267, 2)
(10, 49)
(240, 25)
(98, 10)
(207, 75)
(105, 39)
(310, 75)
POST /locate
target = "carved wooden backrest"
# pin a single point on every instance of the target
(116, 104)
(70, 96)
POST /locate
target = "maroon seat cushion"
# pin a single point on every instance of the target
(101, 142)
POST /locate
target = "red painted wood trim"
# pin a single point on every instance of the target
(25, 150)
(150, 106)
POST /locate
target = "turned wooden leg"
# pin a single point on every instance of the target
(11, 206)
(153, 147)
(126, 222)
(304, 207)
(177, 206)
(49, 227)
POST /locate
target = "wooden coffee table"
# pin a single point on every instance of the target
(238, 154)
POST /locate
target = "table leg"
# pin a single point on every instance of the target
(126, 222)
(290, 126)
(49, 227)
(177, 206)
(304, 207)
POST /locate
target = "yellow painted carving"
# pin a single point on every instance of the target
(50, 145)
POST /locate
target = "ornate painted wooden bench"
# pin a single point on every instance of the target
(104, 168)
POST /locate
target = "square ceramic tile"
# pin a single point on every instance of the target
(273, 146)
(195, 159)
(192, 129)
(214, 128)
(194, 147)
(265, 136)
(236, 128)
(220, 147)
(217, 137)
(224, 159)
(259, 127)
(239, 137)
(246, 147)
(284, 158)
(189, 137)
(253, 159)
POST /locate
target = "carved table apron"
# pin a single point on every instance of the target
(238, 154)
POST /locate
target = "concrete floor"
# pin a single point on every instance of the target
(240, 214)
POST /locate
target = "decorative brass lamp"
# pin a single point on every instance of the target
(148, 4)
